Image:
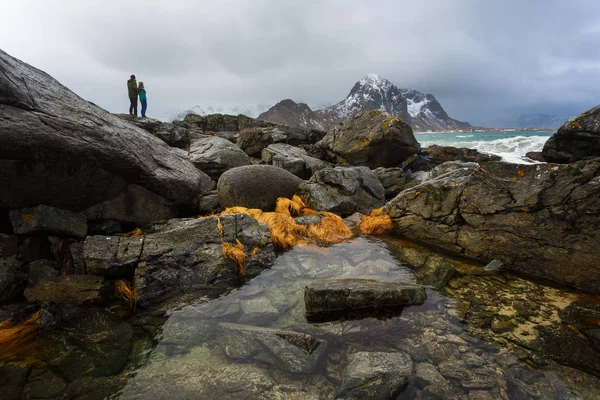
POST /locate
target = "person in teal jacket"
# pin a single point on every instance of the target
(143, 99)
(132, 91)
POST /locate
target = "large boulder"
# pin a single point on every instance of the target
(343, 190)
(187, 254)
(541, 219)
(373, 139)
(578, 138)
(293, 159)
(177, 134)
(49, 221)
(62, 151)
(256, 186)
(441, 154)
(392, 180)
(214, 155)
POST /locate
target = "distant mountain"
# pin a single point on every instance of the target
(248, 110)
(422, 111)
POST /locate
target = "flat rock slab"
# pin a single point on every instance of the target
(375, 376)
(291, 351)
(73, 289)
(48, 220)
(337, 296)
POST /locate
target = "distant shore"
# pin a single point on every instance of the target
(470, 130)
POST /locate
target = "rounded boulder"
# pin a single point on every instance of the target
(256, 186)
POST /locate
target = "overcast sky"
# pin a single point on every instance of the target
(481, 59)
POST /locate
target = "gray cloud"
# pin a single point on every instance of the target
(481, 59)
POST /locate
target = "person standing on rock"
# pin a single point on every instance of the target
(133, 95)
(143, 100)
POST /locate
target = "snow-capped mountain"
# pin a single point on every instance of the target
(422, 111)
(248, 110)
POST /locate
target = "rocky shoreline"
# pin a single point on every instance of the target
(106, 220)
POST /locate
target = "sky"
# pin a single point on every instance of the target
(483, 60)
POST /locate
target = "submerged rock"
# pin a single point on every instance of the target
(373, 139)
(290, 351)
(375, 376)
(48, 220)
(343, 191)
(346, 295)
(577, 139)
(70, 289)
(256, 186)
(540, 219)
(293, 159)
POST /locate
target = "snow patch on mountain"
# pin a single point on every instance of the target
(415, 107)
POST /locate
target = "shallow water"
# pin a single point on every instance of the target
(183, 354)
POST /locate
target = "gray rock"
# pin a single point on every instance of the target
(187, 254)
(427, 374)
(293, 159)
(494, 266)
(62, 151)
(178, 134)
(577, 139)
(337, 295)
(253, 140)
(41, 270)
(442, 391)
(48, 220)
(258, 309)
(373, 139)
(134, 205)
(214, 155)
(291, 351)
(375, 376)
(43, 384)
(208, 203)
(9, 245)
(70, 289)
(522, 215)
(442, 154)
(414, 179)
(12, 278)
(112, 256)
(256, 186)
(309, 220)
(392, 180)
(343, 191)
(12, 379)
(109, 227)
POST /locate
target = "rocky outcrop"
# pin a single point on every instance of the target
(62, 151)
(48, 220)
(578, 138)
(73, 289)
(441, 154)
(373, 139)
(293, 159)
(348, 295)
(290, 351)
(256, 186)
(13, 278)
(214, 155)
(343, 191)
(540, 219)
(375, 376)
(188, 254)
(392, 180)
(177, 134)
(112, 256)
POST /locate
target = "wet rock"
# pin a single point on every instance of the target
(214, 155)
(427, 374)
(109, 227)
(535, 156)
(12, 379)
(375, 376)
(208, 203)
(578, 138)
(481, 212)
(292, 159)
(112, 256)
(413, 179)
(579, 311)
(13, 278)
(41, 270)
(72, 289)
(258, 309)
(96, 388)
(48, 220)
(343, 191)
(392, 180)
(187, 254)
(43, 384)
(309, 220)
(291, 351)
(494, 266)
(136, 205)
(63, 151)
(442, 391)
(256, 186)
(442, 154)
(373, 139)
(9, 245)
(347, 295)
(95, 343)
(500, 326)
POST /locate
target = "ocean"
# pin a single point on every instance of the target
(511, 145)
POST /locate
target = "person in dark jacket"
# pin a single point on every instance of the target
(133, 95)
(143, 99)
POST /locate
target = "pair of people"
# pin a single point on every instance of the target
(134, 91)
